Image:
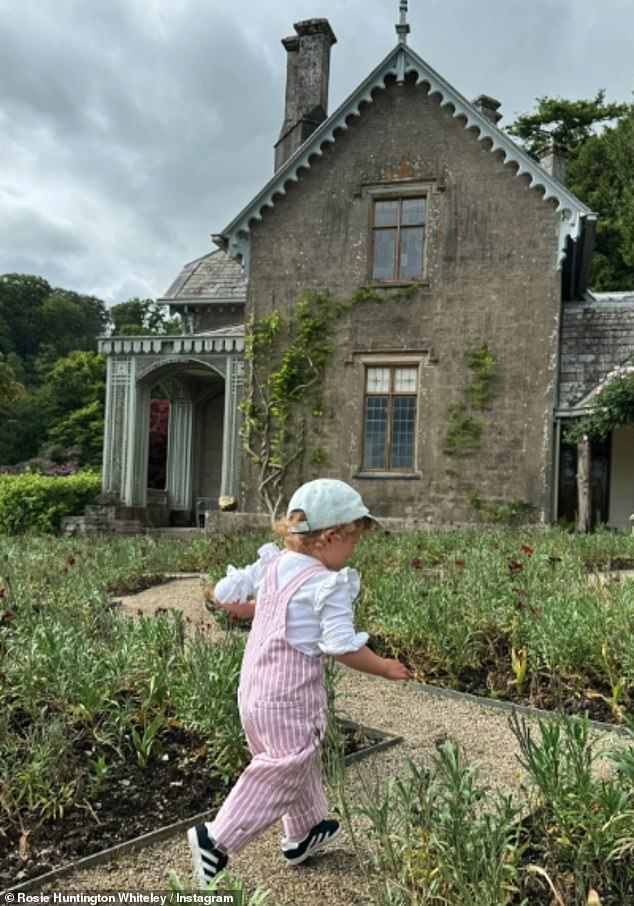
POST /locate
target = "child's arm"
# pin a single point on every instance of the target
(367, 661)
(242, 611)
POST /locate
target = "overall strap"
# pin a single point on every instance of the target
(271, 579)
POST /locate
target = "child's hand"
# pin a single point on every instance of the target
(395, 670)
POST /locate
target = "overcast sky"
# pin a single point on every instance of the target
(131, 130)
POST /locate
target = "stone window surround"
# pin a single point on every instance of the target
(390, 359)
(397, 190)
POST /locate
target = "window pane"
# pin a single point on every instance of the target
(377, 380)
(384, 254)
(385, 213)
(375, 431)
(411, 257)
(413, 210)
(405, 380)
(403, 417)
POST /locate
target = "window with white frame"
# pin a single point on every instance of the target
(389, 425)
(398, 238)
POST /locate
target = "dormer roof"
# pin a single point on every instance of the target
(400, 63)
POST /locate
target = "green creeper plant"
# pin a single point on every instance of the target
(286, 362)
(464, 430)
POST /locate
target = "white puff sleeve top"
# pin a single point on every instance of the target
(319, 618)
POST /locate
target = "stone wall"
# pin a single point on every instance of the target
(491, 278)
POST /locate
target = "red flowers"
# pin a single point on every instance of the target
(458, 564)
(415, 563)
(525, 549)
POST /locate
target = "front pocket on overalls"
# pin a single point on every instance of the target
(282, 727)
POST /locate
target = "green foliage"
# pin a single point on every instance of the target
(581, 823)
(455, 604)
(463, 431)
(11, 390)
(74, 381)
(439, 835)
(139, 317)
(601, 174)
(598, 170)
(67, 409)
(38, 322)
(482, 365)
(37, 503)
(286, 363)
(567, 123)
(431, 840)
(612, 407)
(80, 680)
(81, 430)
(510, 511)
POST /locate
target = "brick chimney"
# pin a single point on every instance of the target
(552, 158)
(307, 76)
(488, 106)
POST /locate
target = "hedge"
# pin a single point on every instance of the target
(32, 502)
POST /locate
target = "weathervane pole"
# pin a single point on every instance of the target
(402, 29)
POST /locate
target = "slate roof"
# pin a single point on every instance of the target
(215, 278)
(596, 335)
(401, 62)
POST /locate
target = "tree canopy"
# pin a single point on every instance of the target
(52, 381)
(138, 317)
(39, 324)
(599, 139)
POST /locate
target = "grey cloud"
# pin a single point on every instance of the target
(150, 124)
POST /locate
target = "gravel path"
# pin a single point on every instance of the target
(422, 719)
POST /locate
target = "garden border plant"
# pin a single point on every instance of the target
(514, 607)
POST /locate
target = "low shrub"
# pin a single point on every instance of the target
(32, 502)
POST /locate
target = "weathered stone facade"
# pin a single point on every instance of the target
(491, 277)
(505, 262)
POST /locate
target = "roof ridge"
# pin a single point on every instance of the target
(399, 62)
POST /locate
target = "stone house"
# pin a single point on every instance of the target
(474, 342)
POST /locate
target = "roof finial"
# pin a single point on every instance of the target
(402, 29)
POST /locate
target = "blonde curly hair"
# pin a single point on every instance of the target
(307, 542)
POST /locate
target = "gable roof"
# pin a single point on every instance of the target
(401, 62)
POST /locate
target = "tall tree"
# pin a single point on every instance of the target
(567, 123)
(599, 138)
(39, 324)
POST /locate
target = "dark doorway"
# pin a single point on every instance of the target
(157, 448)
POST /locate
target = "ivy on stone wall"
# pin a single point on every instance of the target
(464, 428)
(286, 363)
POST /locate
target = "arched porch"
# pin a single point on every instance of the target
(200, 377)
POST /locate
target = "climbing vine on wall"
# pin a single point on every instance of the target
(464, 427)
(282, 407)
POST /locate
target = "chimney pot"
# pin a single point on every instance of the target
(552, 158)
(489, 107)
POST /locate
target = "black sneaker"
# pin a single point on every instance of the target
(208, 859)
(321, 835)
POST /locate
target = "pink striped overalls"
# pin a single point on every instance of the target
(282, 701)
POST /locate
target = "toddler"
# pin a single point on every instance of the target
(302, 611)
